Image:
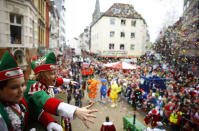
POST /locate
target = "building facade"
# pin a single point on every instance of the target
(85, 39)
(42, 25)
(54, 26)
(190, 27)
(75, 45)
(18, 28)
(60, 5)
(24, 30)
(179, 43)
(119, 32)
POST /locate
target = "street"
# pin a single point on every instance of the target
(115, 114)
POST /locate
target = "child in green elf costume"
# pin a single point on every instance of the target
(37, 92)
(14, 110)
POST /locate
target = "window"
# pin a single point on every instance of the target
(15, 29)
(117, 10)
(111, 46)
(132, 35)
(41, 30)
(122, 47)
(112, 21)
(123, 22)
(41, 4)
(122, 34)
(112, 33)
(33, 33)
(85, 30)
(132, 47)
(126, 11)
(133, 23)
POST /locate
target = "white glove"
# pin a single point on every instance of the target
(69, 81)
(159, 123)
(66, 81)
(33, 129)
(66, 110)
(73, 83)
(52, 126)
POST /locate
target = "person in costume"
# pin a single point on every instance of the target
(83, 86)
(37, 91)
(14, 111)
(154, 117)
(69, 93)
(114, 93)
(103, 90)
(92, 94)
(108, 126)
(78, 95)
(175, 118)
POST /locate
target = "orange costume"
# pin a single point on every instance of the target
(93, 88)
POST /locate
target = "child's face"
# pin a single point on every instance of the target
(50, 78)
(13, 91)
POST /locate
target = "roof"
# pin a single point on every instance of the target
(122, 11)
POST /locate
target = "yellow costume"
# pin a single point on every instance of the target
(114, 93)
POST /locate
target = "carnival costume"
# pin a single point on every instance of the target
(37, 92)
(103, 89)
(92, 88)
(108, 126)
(114, 93)
(15, 117)
(153, 117)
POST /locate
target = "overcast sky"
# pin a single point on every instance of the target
(157, 13)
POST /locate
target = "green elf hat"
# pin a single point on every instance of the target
(45, 63)
(9, 68)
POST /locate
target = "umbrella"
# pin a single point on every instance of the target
(110, 64)
(120, 65)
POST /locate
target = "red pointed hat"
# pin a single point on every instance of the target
(9, 68)
(45, 63)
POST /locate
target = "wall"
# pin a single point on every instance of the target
(100, 36)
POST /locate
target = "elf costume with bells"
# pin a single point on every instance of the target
(14, 116)
(37, 92)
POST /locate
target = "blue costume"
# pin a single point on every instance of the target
(103, 90)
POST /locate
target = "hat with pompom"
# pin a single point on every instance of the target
(154, 111)
(45, 63)
(9, 68)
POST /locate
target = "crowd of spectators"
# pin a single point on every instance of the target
(176, 99)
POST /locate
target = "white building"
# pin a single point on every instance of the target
(119, 32)
(85, 39)
(60, 5)
(75, 44)
(54, 26)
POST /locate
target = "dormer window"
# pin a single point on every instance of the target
(117, 10)
(126, 11)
